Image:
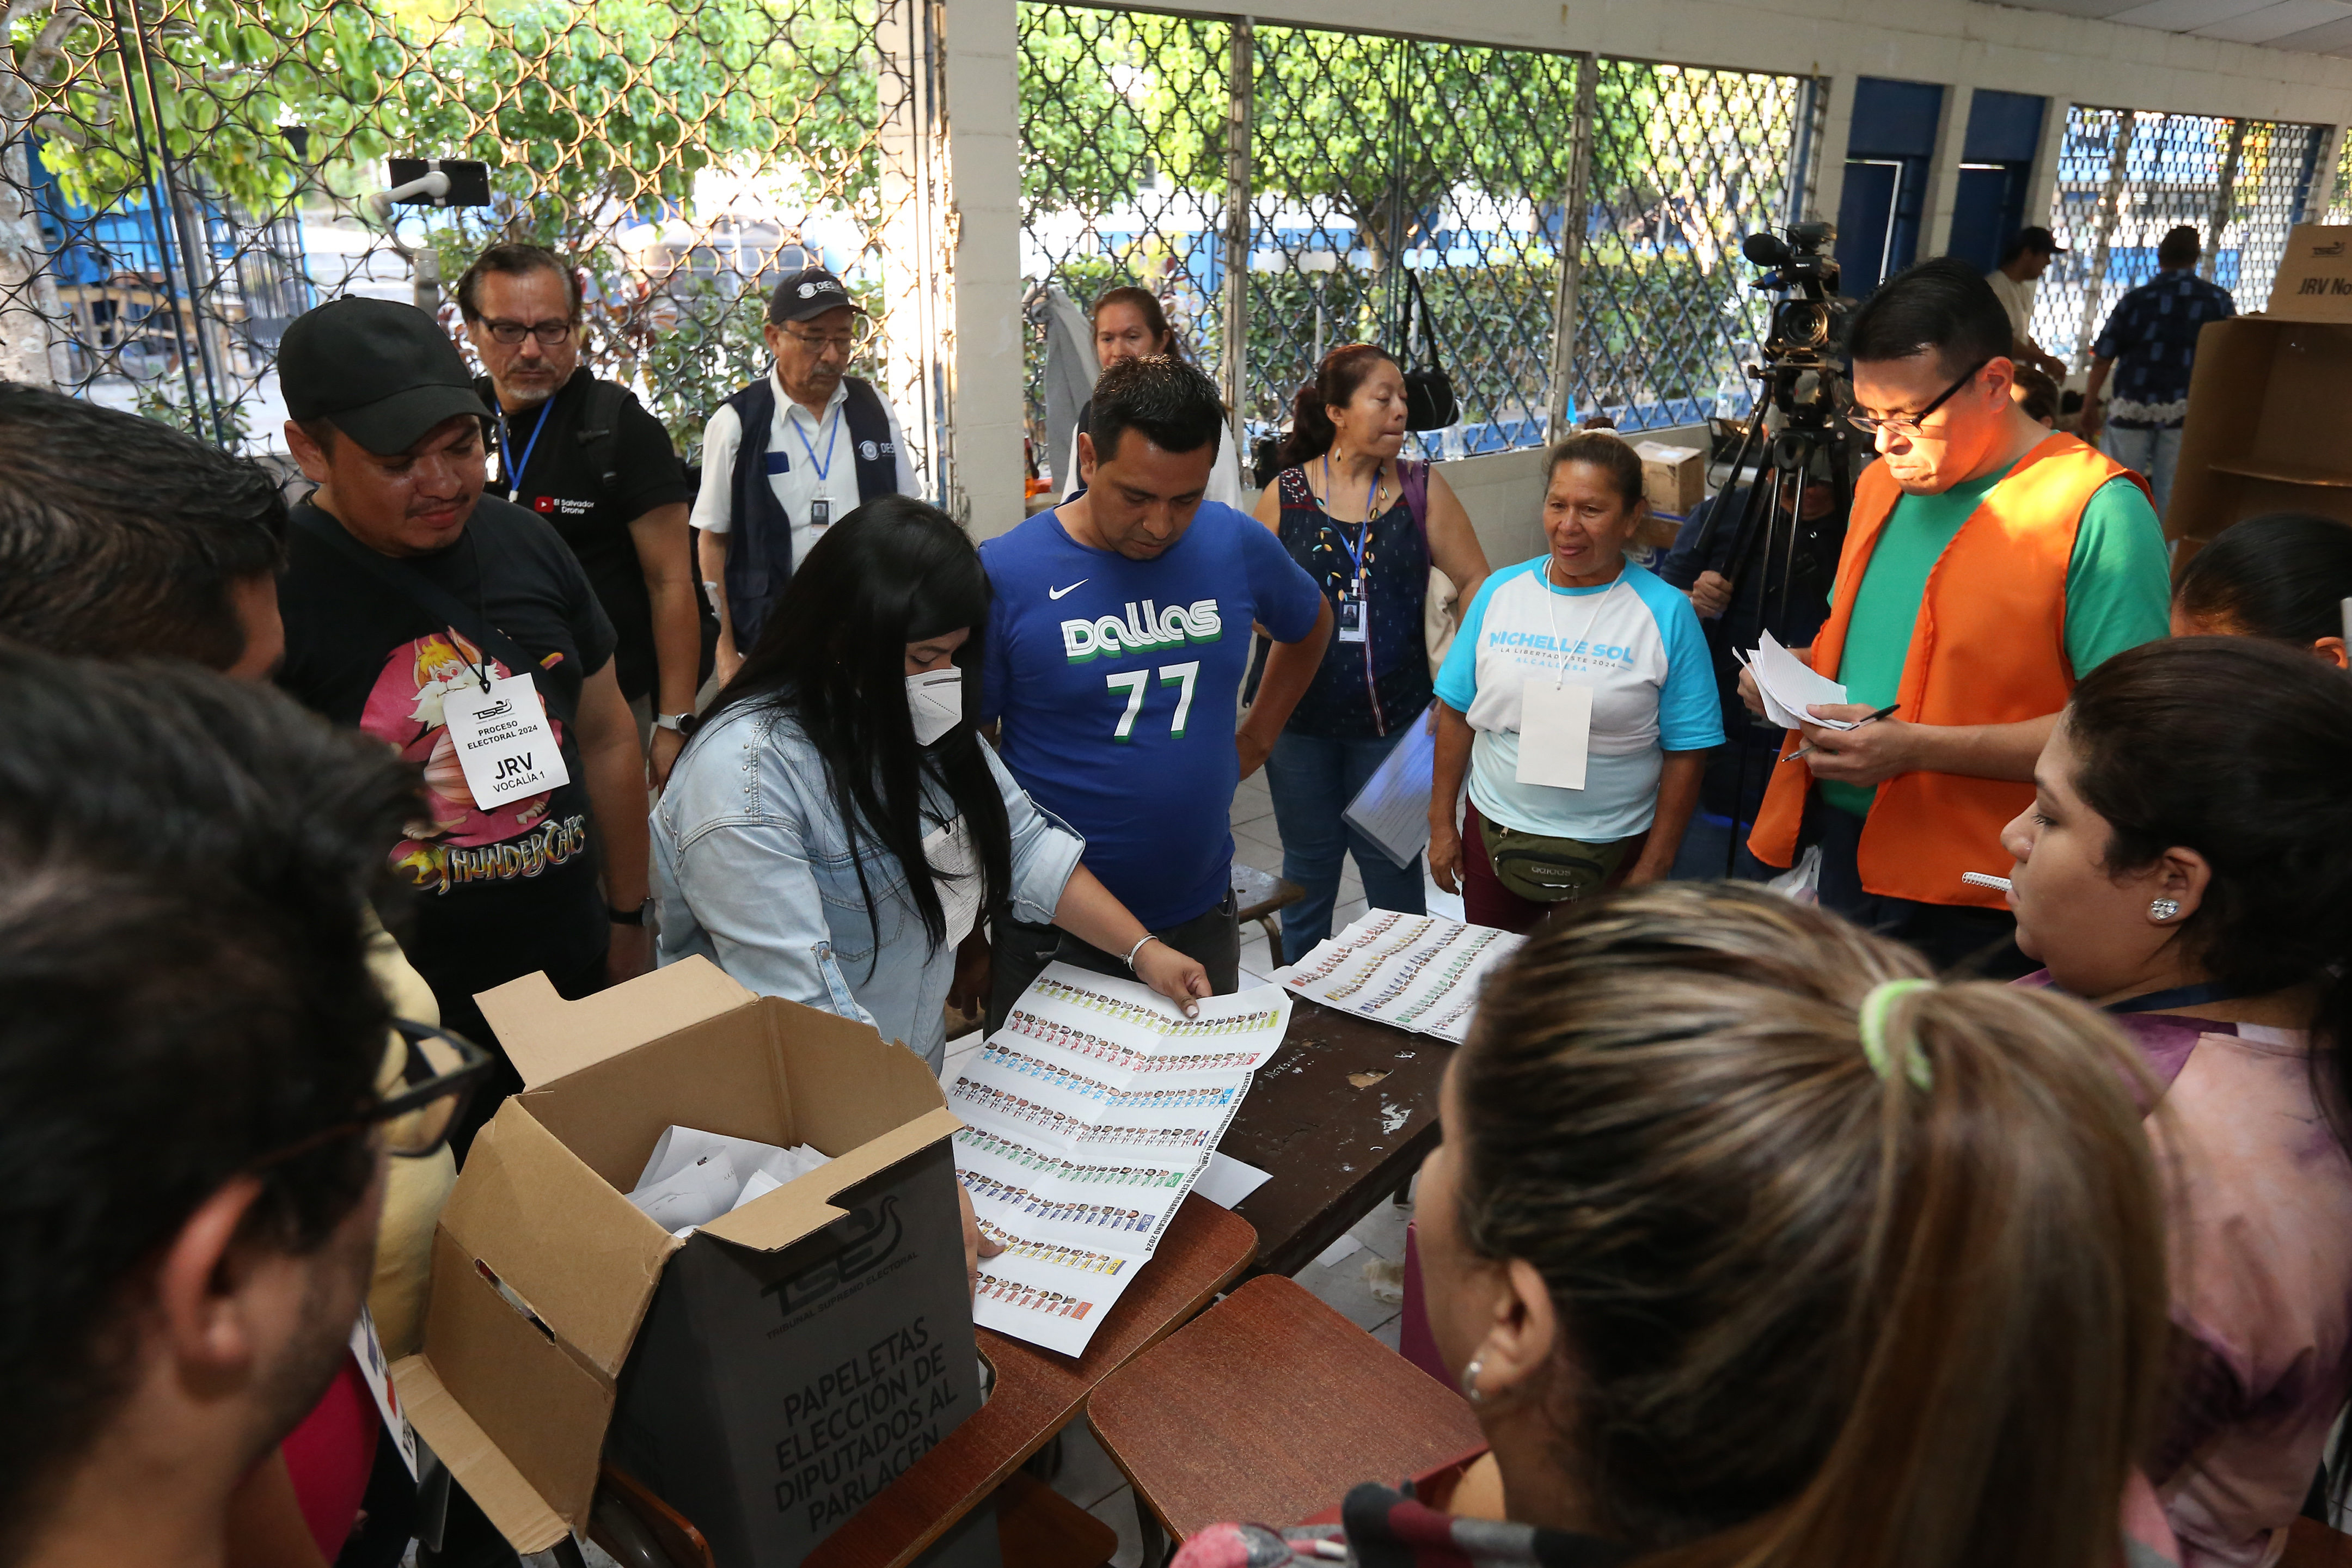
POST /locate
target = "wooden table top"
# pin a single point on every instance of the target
(1038, 1392)
(1269, 1406)
(1339, 1117)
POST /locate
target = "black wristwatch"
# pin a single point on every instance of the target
(635, 917)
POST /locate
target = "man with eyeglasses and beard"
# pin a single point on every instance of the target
(1990, 562)
(581, 452)
(790, 454)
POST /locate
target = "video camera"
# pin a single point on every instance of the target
(1797, 372)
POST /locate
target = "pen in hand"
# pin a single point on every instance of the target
(1883, 714)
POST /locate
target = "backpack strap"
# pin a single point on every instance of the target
(600, 431)
(1413, 478)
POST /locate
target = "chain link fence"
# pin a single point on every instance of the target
(180, 178)
(1375, 175)
(2128, 176)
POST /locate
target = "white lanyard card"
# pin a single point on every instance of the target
(504, 743)
(1555, 732)
(368, 1351)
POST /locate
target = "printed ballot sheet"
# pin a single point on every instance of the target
(1088, 1117)
(1419, 973)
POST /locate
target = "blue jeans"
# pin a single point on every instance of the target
(1312, 780)
(2154, 454)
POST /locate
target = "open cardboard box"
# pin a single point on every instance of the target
(766, 1375)
(2269, 427)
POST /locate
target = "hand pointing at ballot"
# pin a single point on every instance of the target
(1870, 754)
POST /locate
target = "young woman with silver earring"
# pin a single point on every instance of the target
(2187, 865)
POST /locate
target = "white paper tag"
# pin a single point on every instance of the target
(504, 743)
(368, 1351)
(1554, 731)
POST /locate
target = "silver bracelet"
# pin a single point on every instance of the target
(1135, 949)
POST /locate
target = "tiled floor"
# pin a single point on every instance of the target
(1087, 1476)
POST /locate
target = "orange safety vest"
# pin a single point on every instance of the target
(1989, 648)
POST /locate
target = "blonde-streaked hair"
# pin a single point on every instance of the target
(1813, 1315)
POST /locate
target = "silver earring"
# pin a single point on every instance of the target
(1470, 1390)
(2163, 909)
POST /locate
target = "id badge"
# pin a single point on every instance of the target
(1555, 732)
(1352, 618)
(503, 740)
(368, 1351)
(820, 514)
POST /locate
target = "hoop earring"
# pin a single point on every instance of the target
(1470, 1390)
(2163, 909)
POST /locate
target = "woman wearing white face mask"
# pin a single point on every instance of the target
(840, 755)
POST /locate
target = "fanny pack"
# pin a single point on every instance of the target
(1549, 871)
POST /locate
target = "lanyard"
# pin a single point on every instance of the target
(1363, 531)
(2179, 996)
(1560, 672)
(832, 434)
(506, 447)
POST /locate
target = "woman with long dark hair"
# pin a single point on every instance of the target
(1366, 524)
(2284, 576)
(2187, 864)
(840, 755)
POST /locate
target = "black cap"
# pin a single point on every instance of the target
(2034, 236)
(811, 291)
(382, 373)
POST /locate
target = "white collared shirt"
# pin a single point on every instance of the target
(802, 439)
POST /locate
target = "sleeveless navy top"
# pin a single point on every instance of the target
(1380, 684)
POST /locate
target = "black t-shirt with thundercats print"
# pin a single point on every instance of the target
(502, 892)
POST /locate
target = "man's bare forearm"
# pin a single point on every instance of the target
(1983, 751)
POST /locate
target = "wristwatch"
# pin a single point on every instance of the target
(635, 917)
(674, 722)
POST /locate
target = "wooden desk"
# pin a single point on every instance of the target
(1269, 1406)
(1334, 1150)
(1039, 1392)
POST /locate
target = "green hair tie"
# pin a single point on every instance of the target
(1873, 1022)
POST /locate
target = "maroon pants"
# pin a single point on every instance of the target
(1487, 902)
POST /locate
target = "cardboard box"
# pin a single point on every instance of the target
(2314, 276)
(766, 1375)
(2269, 427)
(1674, 478)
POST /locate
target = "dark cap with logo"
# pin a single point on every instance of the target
(382, 373)
(811, 291)
(2035, 238)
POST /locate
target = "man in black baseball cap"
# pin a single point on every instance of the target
(2025, 257)
(789, 456)
(406, 594)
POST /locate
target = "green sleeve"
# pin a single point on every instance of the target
(2119, 583)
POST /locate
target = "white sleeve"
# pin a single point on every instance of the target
(910, 483)
(1069, 477)
(1226, 473)
(714, 504)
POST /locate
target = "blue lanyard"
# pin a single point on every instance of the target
(506, 447)
(2179, 996)
(1364, 533)
(832, 434)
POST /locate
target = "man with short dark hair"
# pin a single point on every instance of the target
(121, 537)
(1116, 644)
(790, 454)
(458, 630)
(2023, 261)
(582, 453)
(1988, 564)
(2150, 344)
(189, 1049)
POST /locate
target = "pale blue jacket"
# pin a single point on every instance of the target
(753, 870)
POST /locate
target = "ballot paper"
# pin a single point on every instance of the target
(1788, 686)
(1420, 972)
(1392, 808)
(1088, 1116)
(692, 1176)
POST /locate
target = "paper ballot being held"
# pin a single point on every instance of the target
(1788, 686)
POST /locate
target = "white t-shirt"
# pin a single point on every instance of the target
(1225, 473)
(2015, 298)
(1636, 642)
(799, 469)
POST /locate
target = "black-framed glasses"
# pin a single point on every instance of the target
(1908, 424)
(548, 334)
(417, 1101)
(848, 343)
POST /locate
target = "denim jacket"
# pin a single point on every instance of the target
(753, 870)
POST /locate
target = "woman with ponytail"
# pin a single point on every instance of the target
(1367, 525)
(2187, 864)
(1751, 1244)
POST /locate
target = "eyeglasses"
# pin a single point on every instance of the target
(844, 343)
(1908, 424)
(417, 1102)
(548, 334)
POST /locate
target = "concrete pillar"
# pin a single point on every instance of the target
(1829, 184)
(1944, 173)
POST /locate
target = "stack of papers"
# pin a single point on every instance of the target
(1788, 686)
(692, 1176)
(1420, 972)
(1088, 1116)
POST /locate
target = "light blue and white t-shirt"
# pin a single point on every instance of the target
(1635, 641)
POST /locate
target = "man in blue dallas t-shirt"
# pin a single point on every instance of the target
(1117, 644)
